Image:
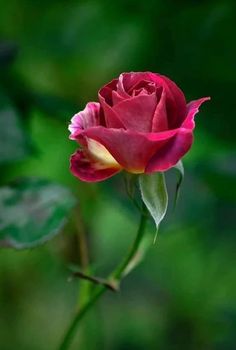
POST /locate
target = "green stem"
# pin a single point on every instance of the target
(115, 276)
(83, 258)
(120, 270)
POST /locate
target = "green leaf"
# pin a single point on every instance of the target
(32, 212)
(154, 195)
(180, 168)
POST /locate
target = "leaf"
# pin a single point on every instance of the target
(180, 168)
(154, 195)
(13, 141)
(32, 212)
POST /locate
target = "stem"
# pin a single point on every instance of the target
(115, 276)
(83, 257)
(121, 269)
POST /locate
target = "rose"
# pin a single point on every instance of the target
(141, 124)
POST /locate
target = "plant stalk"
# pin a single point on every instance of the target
(115, 277)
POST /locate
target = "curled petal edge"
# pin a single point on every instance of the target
(169, 155)
(89, 170)
(192, 110)
(86, 118)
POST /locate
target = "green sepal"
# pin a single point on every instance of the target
(180, 168)
(154, 195)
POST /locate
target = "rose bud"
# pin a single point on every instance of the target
(141, 124)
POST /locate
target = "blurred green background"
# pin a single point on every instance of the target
(54, 56)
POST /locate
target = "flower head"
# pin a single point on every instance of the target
(141, 124)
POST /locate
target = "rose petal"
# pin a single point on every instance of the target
(171, 152)
(176, 104)
(144, 85)
(87, 118)
(160, 121)
(120, 86)
(175, 100)
(89, 170)
(116, 97)
(132, 150)
(127, 81)
(136, 113)
(99, 153)
(111, 118)
(192, 110)
(179, 145)
(106, 91)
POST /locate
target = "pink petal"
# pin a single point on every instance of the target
(132, 150)
(175, 100)
(87, 118)
(171, 152)
(116, 97)
(111, 118)
(89, 170)
(120, 86)
(106, 91)
(127, 81)
(179, 145)
(192, 110)
(160, 121)
(136, 113)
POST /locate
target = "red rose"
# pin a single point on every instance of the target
(141, 124)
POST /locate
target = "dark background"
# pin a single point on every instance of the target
(54, 56)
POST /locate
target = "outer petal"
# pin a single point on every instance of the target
(136, 113)
(175, 100)
(160, 119)
(111, 118)
(132, 150)
(106, 91)
(179, 145)
(87, 118)
(192, 110)
(172, 152)
(89, 170)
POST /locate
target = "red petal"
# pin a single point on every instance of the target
(111, 118)
(175, 100)
(128, 80)
(160, 121)
(179, 145)
(171, 152)
(136, 113)
(106, 91)
(192, 110)
(116, 97)
(88, 170)
(132, 150)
